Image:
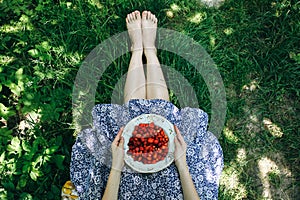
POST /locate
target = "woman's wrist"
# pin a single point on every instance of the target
(181, 165)
(114, 169)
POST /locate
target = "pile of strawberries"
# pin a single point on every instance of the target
(148, 144)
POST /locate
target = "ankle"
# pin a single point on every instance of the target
(138, 52)
(150, 51)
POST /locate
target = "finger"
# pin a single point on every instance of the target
(178, 134)
(118, 136)
(121, 143)
(120, 131)
(180, 137)
(177, 141)
(176, 129)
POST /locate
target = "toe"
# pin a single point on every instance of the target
(138, 15)
(131, 17)
(128, 18)
(149, 15)
(144, 15)
(153, 18)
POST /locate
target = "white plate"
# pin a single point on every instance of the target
(168, 129)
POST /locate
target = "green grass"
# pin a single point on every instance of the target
(255, 45)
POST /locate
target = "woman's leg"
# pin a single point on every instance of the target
(156, 84)
(135, 85)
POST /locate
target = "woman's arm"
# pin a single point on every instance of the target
(188, 187)
(112, 186)
(113, 183)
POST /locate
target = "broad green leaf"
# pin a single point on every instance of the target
(15, 141)
(45, 45)
(51, 150)
(46, 158)
(19, 74)
(5, 133)
(25, 196)
(58, 159)
(5, 112)
(2, 163)
(58, 140)
(8, 185)
(38, 141)
(26, 167)
(14, 88)
(2, 157)
(21, 85)
(3, 193)
(22, 181)
(15, 147)
(11, 166)
(26, 146)
(33, 175)
(28, 156)
(38, 161)
(34, 53)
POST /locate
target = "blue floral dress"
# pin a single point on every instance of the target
(91, 154)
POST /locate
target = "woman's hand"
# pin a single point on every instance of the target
(113, 182)
(117, 148)
(180, 149)
(188, 187)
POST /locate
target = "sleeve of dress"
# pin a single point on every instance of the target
(204, 153)
(81, 162)
(205, 160)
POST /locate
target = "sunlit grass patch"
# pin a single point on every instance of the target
(96, 3)
(266, 167)
(230, 181)
(198, 17)
(274, 129)
(230, 135)
(175, 7)
(241, 156)
(277, 179)
(228, 31)
(22, 25)
(251, 86)
(5, 60)
(212, 3)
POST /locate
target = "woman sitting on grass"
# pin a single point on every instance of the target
(198, 160)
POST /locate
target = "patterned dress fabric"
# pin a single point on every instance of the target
(91, 154)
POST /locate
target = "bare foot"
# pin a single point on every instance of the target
(133, 23)
(149, 26)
